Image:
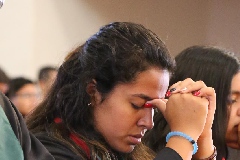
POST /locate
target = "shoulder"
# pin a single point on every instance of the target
(13, 128)
(58, 149)
(168, 153)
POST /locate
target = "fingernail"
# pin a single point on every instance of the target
(173, 89)
(196, 93)
(147, 105)
(168, 93)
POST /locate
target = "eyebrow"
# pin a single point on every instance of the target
(143, 96)
(235, 92)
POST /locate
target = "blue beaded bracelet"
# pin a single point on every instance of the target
(176, 133)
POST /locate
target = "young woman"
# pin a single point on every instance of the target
(102, 101)
(219, 69)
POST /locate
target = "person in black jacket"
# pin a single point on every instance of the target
(102, 101)
(16, 141)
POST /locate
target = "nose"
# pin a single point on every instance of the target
(238, 111)
(146, 119)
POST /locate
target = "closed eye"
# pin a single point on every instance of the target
(232, 101)
(135, 106)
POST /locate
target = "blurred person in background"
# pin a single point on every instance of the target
(4, 79)
(46, 77)
(24, 94)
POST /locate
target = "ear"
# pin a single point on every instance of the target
(92, 91)
(91, 87)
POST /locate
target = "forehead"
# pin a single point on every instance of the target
(27, 87)
(152, 83)
(52, 74)
(236, 82)
(235, 86)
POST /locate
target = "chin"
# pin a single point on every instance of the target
(131, 148)
(127, 149)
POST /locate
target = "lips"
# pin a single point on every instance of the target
(138, 136)
(135, 139)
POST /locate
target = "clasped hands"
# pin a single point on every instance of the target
(189, 108)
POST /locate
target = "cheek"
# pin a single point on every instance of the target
(18, 102)
(233, 112)
(111, 116)
(231, 117)
(20, 106)
(113, 119)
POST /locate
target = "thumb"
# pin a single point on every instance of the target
(160, 104)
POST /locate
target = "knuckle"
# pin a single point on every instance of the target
(213, 90)
(189, 79)
(200, 82)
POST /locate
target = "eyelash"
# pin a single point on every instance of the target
(232, 101)
(135, 106)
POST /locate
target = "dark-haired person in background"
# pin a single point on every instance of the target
(46, 77)
(219, 69)
(24, 94)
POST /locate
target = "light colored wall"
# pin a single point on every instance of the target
(17, 37)
(224, 24)
(36, 33)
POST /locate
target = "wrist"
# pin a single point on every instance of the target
(185, 136)
(205, 147)
(206, 134)
(181, 146)
(213, 156)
